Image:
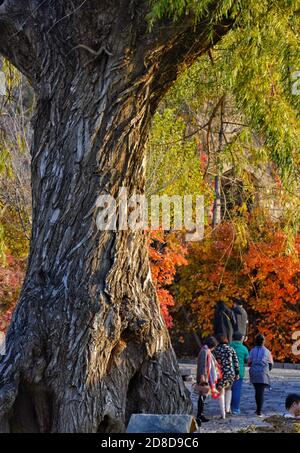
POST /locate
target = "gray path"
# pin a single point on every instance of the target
(283, 382)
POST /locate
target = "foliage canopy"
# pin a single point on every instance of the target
(260, 55)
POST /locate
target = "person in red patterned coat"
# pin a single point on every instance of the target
(207, 373)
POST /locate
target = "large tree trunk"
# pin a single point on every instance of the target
(87, 345)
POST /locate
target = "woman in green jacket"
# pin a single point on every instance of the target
(243, 355)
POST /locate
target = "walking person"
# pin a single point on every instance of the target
(207, 374)
(240, 317)
(229, 364)
(261, 363)
(243, 356)
(224, 320)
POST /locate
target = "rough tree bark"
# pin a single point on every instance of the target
(87, 345)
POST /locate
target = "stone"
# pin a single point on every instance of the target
(185, 372)
(150, 423)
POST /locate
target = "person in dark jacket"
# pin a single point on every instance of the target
(224, 321)
(241, 318)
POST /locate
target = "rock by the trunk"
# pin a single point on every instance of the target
(150, 423)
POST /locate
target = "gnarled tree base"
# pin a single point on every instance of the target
(77, 398)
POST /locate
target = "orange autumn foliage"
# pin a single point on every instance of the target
(166, 253)
(276, 292)
(212, 273)
(12, 264)
(262, 274)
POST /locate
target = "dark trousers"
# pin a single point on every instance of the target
(201, 402)
(259, 396)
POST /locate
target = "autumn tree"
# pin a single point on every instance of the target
(166, 253)
(260, 270)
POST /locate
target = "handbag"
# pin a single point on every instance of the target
(201, 389)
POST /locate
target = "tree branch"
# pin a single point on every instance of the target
(34, 31)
